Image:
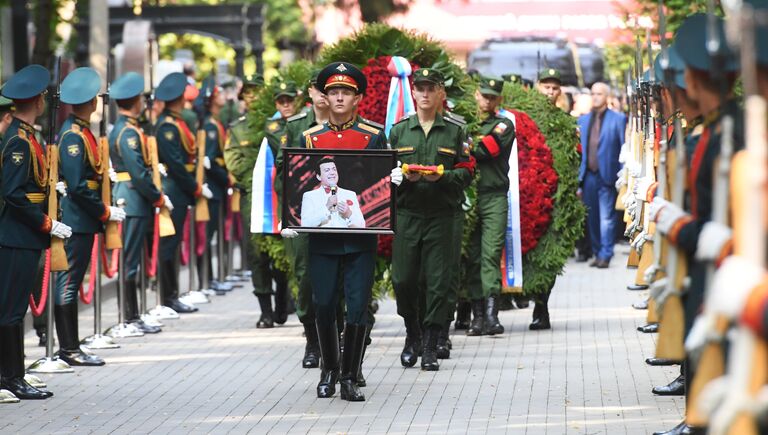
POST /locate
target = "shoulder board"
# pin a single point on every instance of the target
(371, 123)
(297, 116)
(237, 121)
(404, 118)
(369, 128)
(455, 117)
(314, 129)
(455, 121)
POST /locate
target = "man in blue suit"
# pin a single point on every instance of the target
(602, 134)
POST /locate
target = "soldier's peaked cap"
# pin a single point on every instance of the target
(28, 82)
(128, 85)
(691, 44)
(171, 87)
(80, 86)
(342, 74)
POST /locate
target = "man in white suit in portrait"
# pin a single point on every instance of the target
(330, 206)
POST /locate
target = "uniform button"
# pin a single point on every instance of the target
(314, 138)
(339, 135)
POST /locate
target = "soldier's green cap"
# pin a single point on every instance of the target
(550, 74)
(490, 85)
(512, 78)
(28, 82)
(430, 75)
(171, 87)
(80, 86)
(691, 44)
(253, 80)
(128, 85)
(675, 64)
(761, 30)
(284, 89)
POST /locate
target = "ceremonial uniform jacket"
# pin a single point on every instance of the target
(23, 222)
(356, 134)
(131, 160)
(444, 145)
(83, 170)
(492, 150)
(177, 151)
(215, 138)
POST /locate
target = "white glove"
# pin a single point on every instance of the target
(665, 214)
(60, 230)
(112, 174)
(712, 239)
(61, 187)
(640, 241)
(396, 176)
(207, 191)
(621, 179)
(634, 168)
(162, 169)
(640, 189)
(288, 233)
(657, 288)
(650, 272)
(624, 154)
(167, 202)
(207, 162)
(732, 285)
(116, 214)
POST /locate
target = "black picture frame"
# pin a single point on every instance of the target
(363, 183)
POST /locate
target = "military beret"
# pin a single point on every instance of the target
(490, 85)
(28, 82)
(550, 74)
(691, 44)
(342, 74)
(80, 86)
(280, 89)
(675, 64)
(128, 85)
(253, 80)
(171, 87)
(429, 75)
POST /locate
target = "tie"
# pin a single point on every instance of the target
(593, 142)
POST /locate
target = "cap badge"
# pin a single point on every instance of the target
(341, 68)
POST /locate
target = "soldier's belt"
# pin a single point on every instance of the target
(36, 198)
(219, 160)
(190, 167)
(123, 176)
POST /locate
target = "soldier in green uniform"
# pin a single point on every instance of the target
(134, 187)
(284, 94)
(210, 101)
(25, 229)
(491, 149)
(689, 229)
(427, 205)
(298, 248)
(83, 170)
(177, 151)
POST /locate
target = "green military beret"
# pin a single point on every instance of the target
(284, 89)
(127, 86)
(429, 75)
(490, 85)
(254, 80)
(550, 74)
(28, 82)
(80, 86)
(691, 44)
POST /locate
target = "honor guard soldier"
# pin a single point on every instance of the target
(342, 260)
(83, 169)
(491, 149)
(131, 161)
(211, 100)
(284, 95)
(25, 229)
(550, 83)
(427, 204)
(298, 248)
(177, 151)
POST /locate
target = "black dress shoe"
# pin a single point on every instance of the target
(602, 264)
(650, 328)
(22, 390)
(582, 258)
(674, 388)
(143, 327)
(411, 351)
(661, 362)
(180, 307)
(637, 287)
(311, 358)
(77, 357)
(641, 305)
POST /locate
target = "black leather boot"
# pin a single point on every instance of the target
(443, 349)
(492, 324)
(674, 388)
(541, 317)
(463, 315)
(328, 337)
(504, 301)
(361, 382)
(281, 303)
(412, 348)
(132, 314)
(169, 288)
(429, 357)
(311, 358)
(354, 343)
(12, 364)
(478, 318)
(69, 338)
(265, 321)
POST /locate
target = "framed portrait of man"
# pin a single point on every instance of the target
(338, 191)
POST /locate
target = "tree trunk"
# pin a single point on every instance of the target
(42, 53)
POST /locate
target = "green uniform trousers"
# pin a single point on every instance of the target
(298, 253)
(259, 263)
(78, 248)
(485, 245)
(18, 268)
(424, 267)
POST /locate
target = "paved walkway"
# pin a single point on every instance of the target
(213, 372)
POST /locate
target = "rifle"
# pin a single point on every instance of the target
(58, 255)
(112, 237)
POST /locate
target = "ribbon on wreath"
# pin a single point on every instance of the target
(512, 256)
(264, 213)
(400, 100)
